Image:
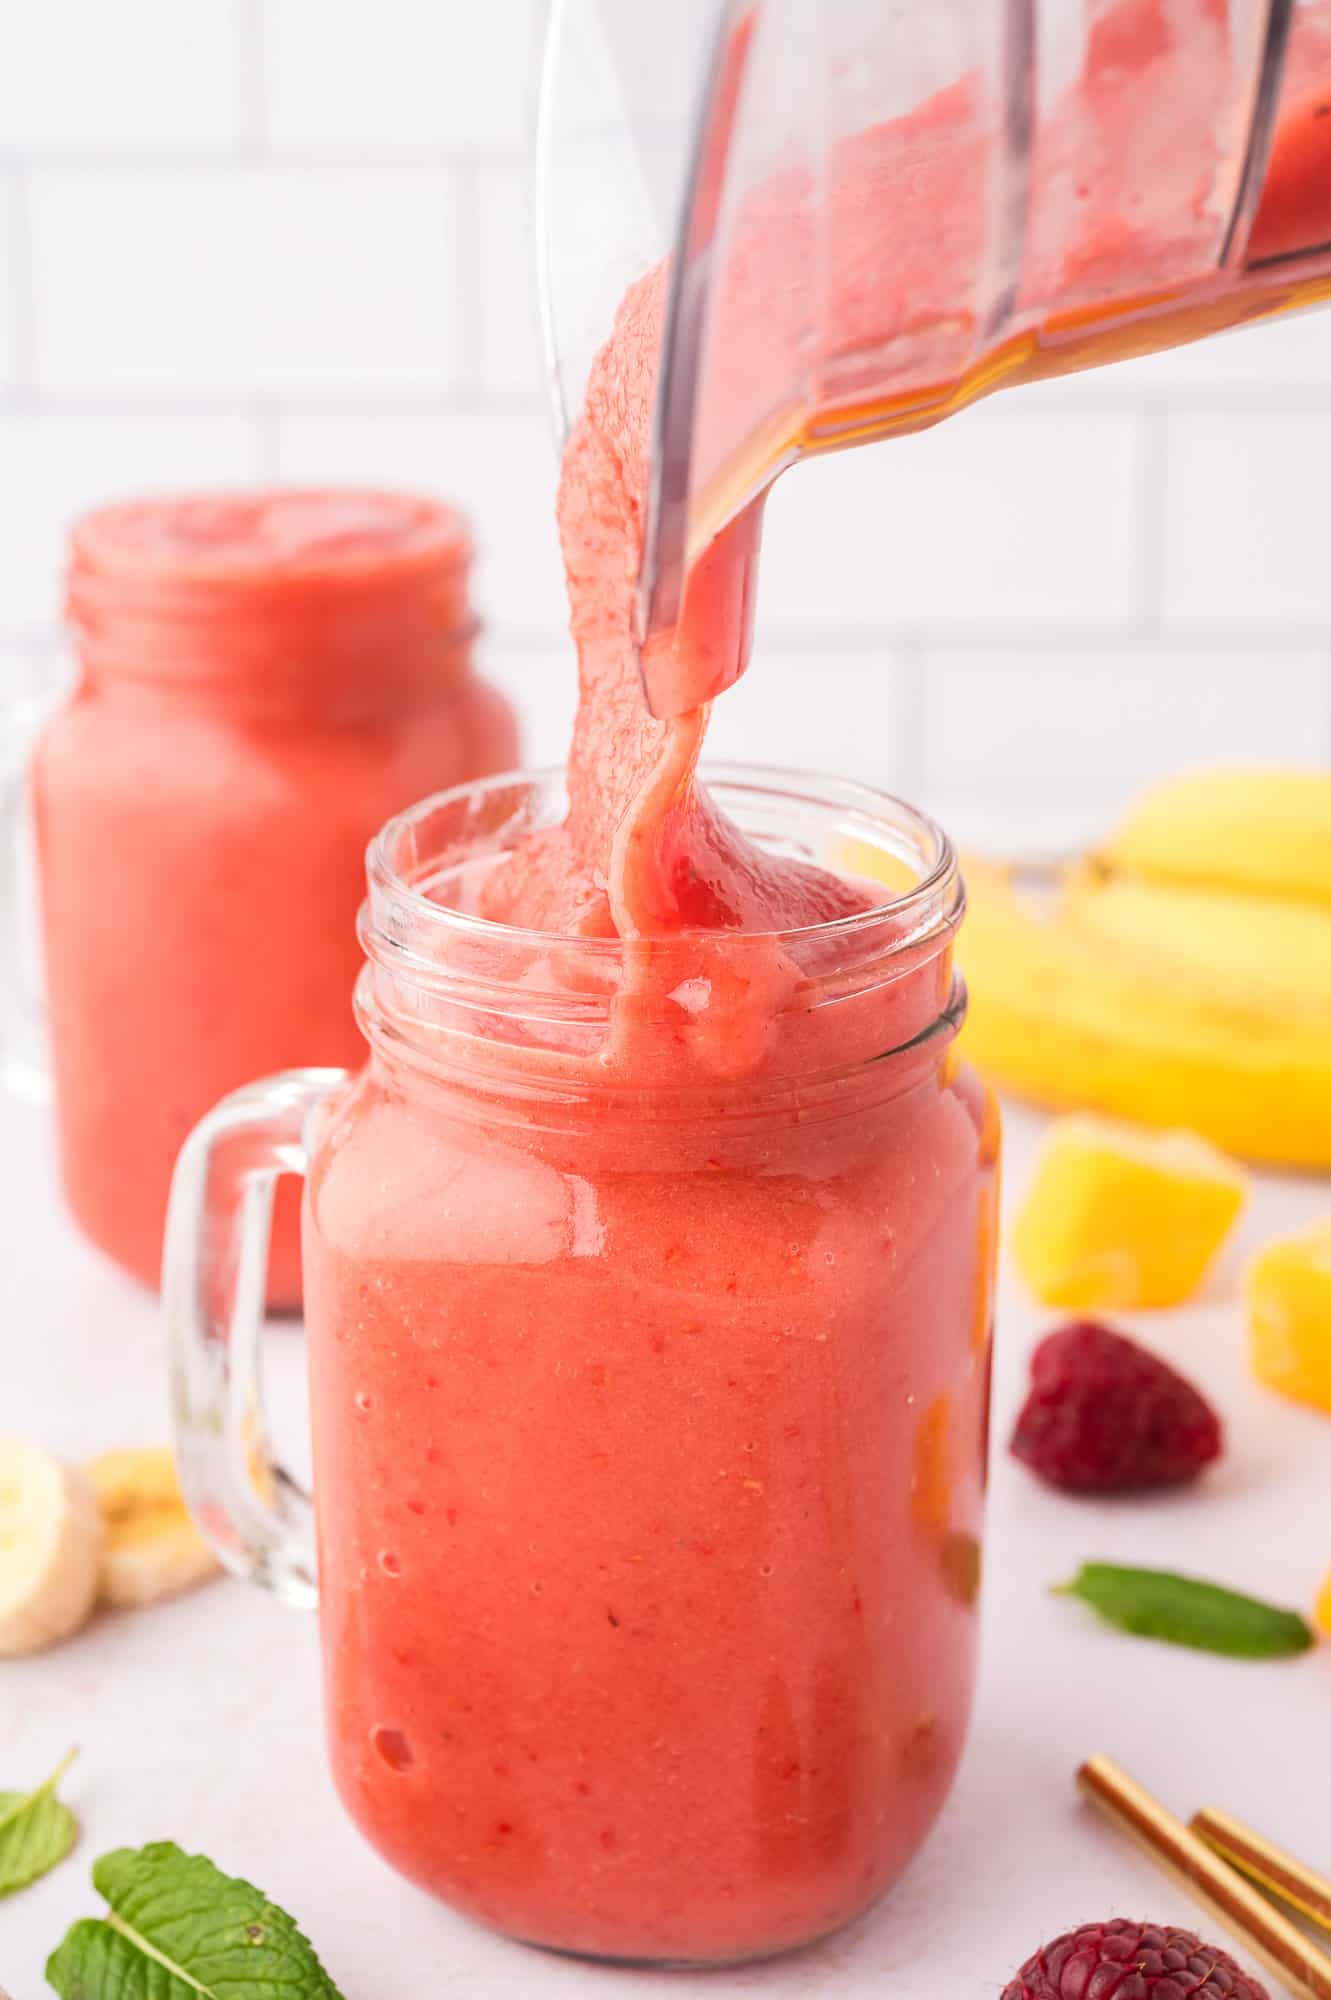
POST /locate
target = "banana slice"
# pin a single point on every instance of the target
(51, 1538)
(153, 1548)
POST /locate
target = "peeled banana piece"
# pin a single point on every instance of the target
(51, 1539)
(152, 1548)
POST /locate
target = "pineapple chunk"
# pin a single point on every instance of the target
(1322, 1608)
(1289, 1315)
(1116, 1218)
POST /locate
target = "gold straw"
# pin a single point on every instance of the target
(1278, 1873)
(1268, 1934)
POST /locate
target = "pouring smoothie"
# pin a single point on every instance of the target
(649, 1282)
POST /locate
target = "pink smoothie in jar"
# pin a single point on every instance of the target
(648, 1301)
(263, 677)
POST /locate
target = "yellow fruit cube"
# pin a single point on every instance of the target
(1322, 1609)
(1117, 1218)
(1289, 1315)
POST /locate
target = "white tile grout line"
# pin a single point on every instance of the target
(265, 421)
(249, 97)
(352, 401)
(1251, 401)
(994, 635)
(21, 288)
(40, 639)
(298, 155)
(913, 647)
(249, 80)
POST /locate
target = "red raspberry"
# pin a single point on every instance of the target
(1103, 1415)
(1123, 1961)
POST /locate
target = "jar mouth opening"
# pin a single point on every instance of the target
(419, 858)
(695, 1008)
(287, 588)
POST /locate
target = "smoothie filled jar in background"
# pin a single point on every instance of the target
(263, 679)
(648, 1293)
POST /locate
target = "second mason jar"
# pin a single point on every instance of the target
(648, 1296)
(263, 678)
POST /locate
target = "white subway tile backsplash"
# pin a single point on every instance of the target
(612, 226)
(847, 729)
(998, 513)
(1274, 361)
(510, 350)
(244, 279)
(1094, 727)
(137, 73)
(834, 713)
(54, 464)
(1293, 352)
(542, 686)
(499, 466)
(1245, 515)
(400, 72)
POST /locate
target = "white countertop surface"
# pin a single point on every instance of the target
(199, 1720)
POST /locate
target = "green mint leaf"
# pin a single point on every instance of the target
(36, 1831)
(1154, 1604)
(177, 1928)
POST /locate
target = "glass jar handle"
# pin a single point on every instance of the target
(257, 1517)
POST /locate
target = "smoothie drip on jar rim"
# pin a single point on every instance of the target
(643, 853)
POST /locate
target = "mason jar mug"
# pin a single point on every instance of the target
(648, 1298)
(263, 678)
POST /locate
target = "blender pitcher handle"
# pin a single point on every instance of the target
(257, 1517)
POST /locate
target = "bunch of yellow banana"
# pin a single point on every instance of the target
(1178, 976)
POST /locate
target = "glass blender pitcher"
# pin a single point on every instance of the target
(887, 208)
